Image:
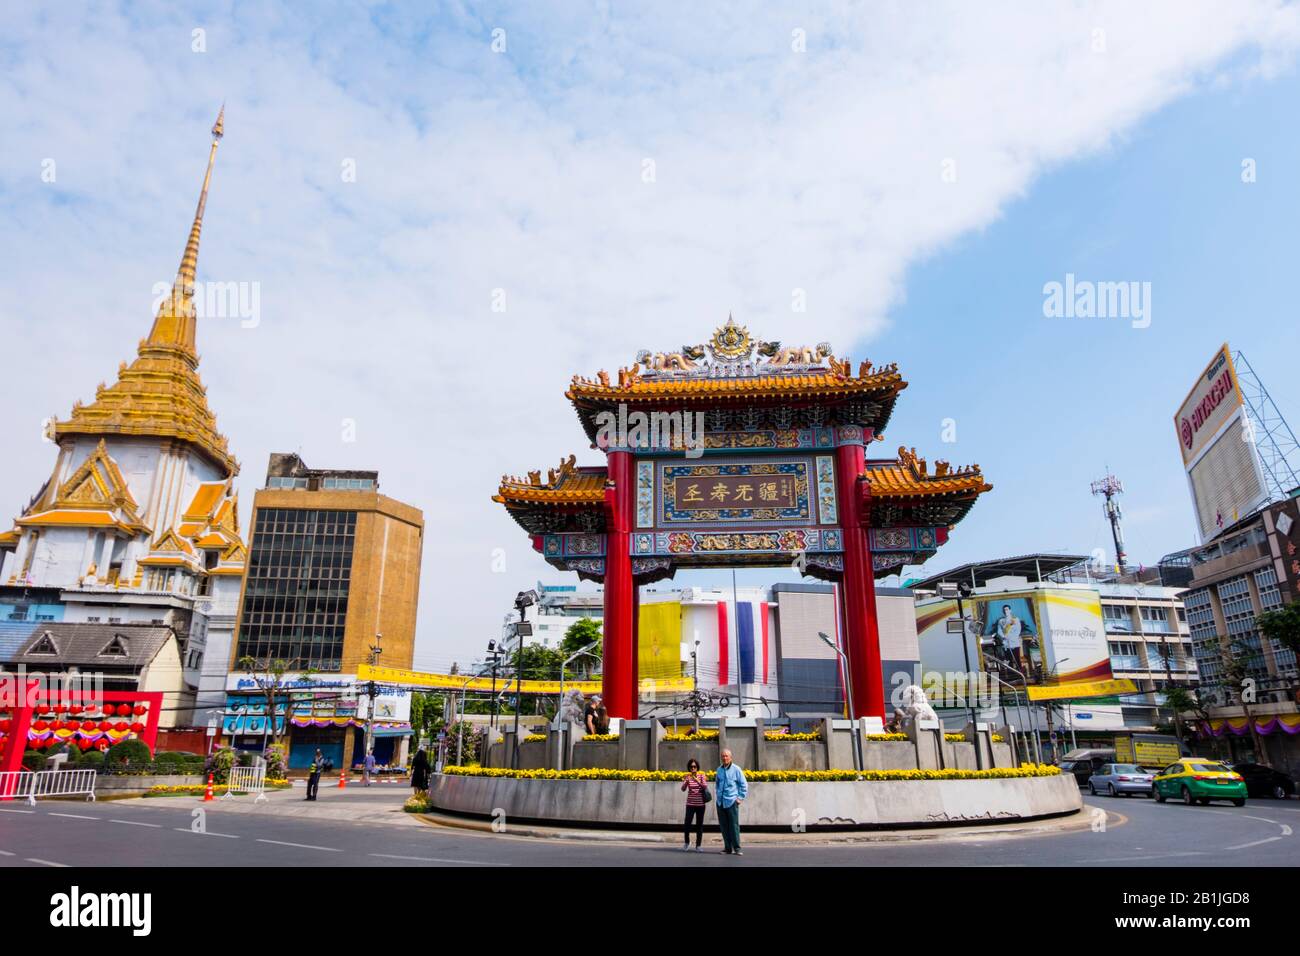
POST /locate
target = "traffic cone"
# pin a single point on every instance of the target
(207, 796)
(343, 779)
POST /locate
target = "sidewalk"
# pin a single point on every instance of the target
(378, 803)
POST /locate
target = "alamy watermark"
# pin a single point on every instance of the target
(219, 300)
(1085, 299)
(665, 431)
(36, 689)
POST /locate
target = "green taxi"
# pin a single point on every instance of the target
(1198, 780)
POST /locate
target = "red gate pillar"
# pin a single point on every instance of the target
(619, 680)
(861, 631)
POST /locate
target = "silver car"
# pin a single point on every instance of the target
(1117, 778)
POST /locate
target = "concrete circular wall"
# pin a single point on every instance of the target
(839, 805)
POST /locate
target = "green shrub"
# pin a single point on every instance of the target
(91, 759)
(33, 760)
(218, 764)
(167, 762)
(74, 753)
(128, 753)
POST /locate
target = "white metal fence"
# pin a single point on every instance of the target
(16, 784)
(247, 780)
(47, 783)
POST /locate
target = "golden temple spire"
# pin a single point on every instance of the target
(174, 325)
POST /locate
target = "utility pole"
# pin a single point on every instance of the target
(493, 658)
(371, 690)
(1110, 488)
(522, 629)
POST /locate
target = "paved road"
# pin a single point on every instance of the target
(367, 829)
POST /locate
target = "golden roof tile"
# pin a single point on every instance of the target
(566, 485)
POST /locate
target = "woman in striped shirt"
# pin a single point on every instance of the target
(696, 785)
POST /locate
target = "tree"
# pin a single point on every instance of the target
(1181, 700)
(427, 709)
(1238, 679)
(536, 662)
(268, 677)
(1282, 625)
(582, 632)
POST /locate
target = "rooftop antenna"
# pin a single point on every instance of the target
(1110, 488)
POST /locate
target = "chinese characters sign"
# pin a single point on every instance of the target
(763, 491)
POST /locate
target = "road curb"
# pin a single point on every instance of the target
(1079, 820)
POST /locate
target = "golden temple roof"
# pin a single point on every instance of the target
(566, 485)
(160, 394)
(909, 477)
(835, 381)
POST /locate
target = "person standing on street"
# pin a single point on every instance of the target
(696, 786)
(368, 766)
(313, 774)
(732, 790)
(420, 771)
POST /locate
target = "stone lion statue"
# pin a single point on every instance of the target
(572, 706)
(916, 706)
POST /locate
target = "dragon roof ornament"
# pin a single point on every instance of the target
(732, 352)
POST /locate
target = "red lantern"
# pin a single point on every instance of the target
(123, 709)
(88, 726)
(60, 708)
(5, 725)
(140, 710)
(56, 725)
(74, 709)
(137, 728)
(36, 744)
(120, 726)
(84, 744)
(40, 726)
(104, 725)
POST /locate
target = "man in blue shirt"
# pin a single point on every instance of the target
(732, 789)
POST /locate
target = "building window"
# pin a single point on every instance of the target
(1118, 617)
(1155, 620)
(296, 592)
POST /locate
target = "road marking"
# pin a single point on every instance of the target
(1242, 846)
(228, 836)
(436, 859)
(32, 859)
(302, 846)
(7, 810)
(138, 823)
(73, 816)
(7, 853)
(1153, 856)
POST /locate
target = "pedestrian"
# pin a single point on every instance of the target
(591, 714)
(732, 790)
(420, 771)
(368, 766)
(313, 774)
(696, 786)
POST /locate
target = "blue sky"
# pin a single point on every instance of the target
(789, 151)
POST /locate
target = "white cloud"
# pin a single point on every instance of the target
(522, 171)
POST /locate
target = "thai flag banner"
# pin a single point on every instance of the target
(751, 640)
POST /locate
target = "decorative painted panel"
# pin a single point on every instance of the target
(645, 494)
(768, 491)
(826, 506)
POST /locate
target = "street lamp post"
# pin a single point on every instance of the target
(960, 591)
(375, 651)
(848, 689)
(522, 629)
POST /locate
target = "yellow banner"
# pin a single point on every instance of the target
(1091, 688)
(405, 678)
(659, 642)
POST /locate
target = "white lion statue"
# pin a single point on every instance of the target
(916, 706)
(572, 706)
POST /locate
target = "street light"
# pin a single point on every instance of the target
(848, 688)
(1038, 752)
(950, 591)
(523, 601)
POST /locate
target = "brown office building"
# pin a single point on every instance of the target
(332, 564)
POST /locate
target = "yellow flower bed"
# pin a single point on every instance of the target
(812, 736)
(199, 789)
(702, 735)
(600, 737)
(961, 738)
(886, 736)
(534, 738)
(759, 776)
